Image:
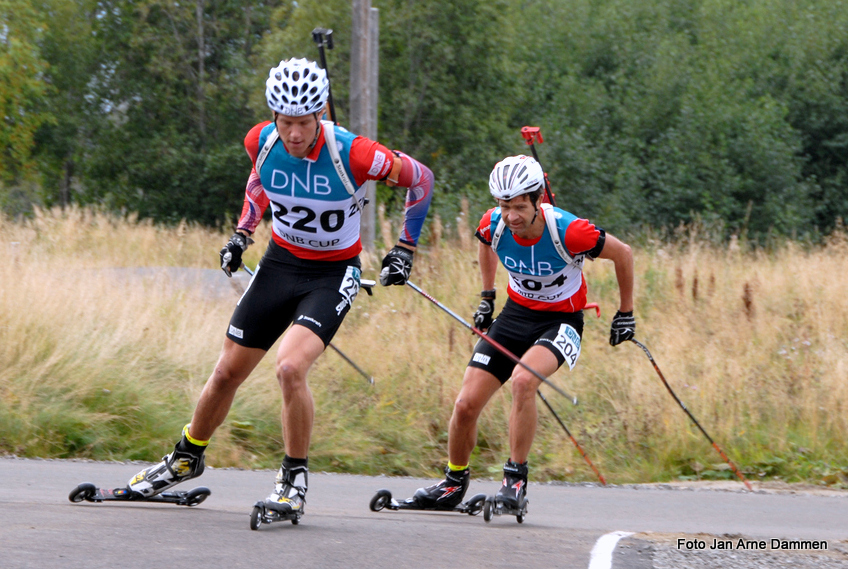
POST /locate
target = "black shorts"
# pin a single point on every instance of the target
(517, 328)
(286, 289)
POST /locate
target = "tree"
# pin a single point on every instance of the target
(22, 94)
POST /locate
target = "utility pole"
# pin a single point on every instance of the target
(364, 70)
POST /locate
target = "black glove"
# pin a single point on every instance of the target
(483, 316)
(623, 327)
(397, 265)
(231, 253)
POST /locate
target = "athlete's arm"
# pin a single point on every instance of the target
(255, 203)
(371, 160)
(255, 199)
(418, 181)
(620, 254)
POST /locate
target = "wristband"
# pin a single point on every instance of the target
(490, 294)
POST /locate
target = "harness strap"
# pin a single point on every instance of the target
(550, 221)
(266, 148)
(330, 141)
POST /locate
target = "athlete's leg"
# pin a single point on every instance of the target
(234, 365)
(523, 416)
(478, 386)
(299, 349)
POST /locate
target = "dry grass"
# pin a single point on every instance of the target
(100, 365)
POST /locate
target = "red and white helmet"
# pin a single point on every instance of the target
(297, 87)
(516, 175)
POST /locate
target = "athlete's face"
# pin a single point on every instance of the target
(519, 215)
(297, 133)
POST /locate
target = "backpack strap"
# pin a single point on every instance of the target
(330, 142)
(553, 229)
(266, 148)
(496, 235)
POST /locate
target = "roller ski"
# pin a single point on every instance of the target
(91, 493)
(446, 496)
(286, 502)
(150, 484)
(511, 499)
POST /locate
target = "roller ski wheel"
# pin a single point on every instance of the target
(383, 499)
(495, 506)
(90, 493)
(262, 514)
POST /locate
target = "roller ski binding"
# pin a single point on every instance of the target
(286, 502)
(446, 496)
(511, 499)
(150, 484)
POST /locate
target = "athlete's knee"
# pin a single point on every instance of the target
(524, 385)
(227, 374)
(465, 412)
(290, 375)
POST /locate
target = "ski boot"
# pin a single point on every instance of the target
(287, 501)
(445, 496)
(511, 499)
(176, 467)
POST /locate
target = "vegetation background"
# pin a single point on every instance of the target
(711, 134)
(102, 363)
(653, 112)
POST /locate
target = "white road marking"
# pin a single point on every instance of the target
(602, 552)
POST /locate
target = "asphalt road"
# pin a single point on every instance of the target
(40, 528)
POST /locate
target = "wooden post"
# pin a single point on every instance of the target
(363, 95)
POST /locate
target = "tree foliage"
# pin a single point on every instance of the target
(22, 97)
(653, 112)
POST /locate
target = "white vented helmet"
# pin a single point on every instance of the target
(516, 175)
(296, 87)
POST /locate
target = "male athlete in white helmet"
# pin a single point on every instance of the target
(312, 175)
(543, 249)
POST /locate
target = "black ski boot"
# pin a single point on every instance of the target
(447, 494)
(513, 490)
(511, 499)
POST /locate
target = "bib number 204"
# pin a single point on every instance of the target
(567, 342)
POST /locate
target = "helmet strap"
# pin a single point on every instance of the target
(317, 130)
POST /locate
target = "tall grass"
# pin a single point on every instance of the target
(96, 364)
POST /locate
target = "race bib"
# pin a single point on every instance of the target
(349, 288)
(567, 341)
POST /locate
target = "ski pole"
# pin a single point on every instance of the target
(367, 285)
(324, 37)
(597, 309)
(697, 424)
(512, 356)
(494, 344)
(370, 378)
(573, 440)
(530, 134)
